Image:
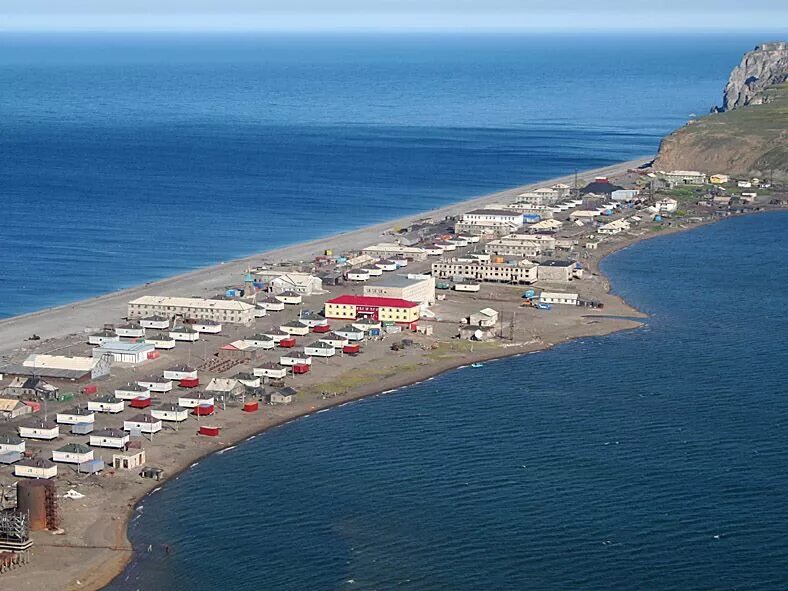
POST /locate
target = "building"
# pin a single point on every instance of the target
(125, 352)
(320, 349)
(195, 399)
(11, 408)
(312, 319)
(489, 221)
(666, 205)
(261, 341)
(358, 275)
(160, 340)
(31, 388)
(61, 367)
(555, 271)
(349, 332)
(569, 299)
(270, 370)
(39, 429)
(600, 186)
(515, 271)
(390, 250)
(514, 247)
(158, 384)
(719, 179)
(11, 443)
(206, 326)
(485, 318)
(75, 416)
(337, 341)
(108, 404)
(624, 195)
(103, 336)
(584, 215)
(614, 227)
(142, 424)
(676, 178)
(112, 438)
(413, 287)
(380, 308)
(172, 413)
(295, 358)
(72, 453)
(300, 283)
(248, 379)
(35, 468)
(271, 304)
(180, 372)
(367, 324)
(295, 328)
(541, 196)
(283, 396)
(155, 322)
(225, 387)
(226, 311)
(129, 460)
(184, 333)
(546, 227)
(131, 330)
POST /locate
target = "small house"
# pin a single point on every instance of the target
(290, 298)
(160, 340)
(72, 453)
(155, 322)
(295, 328)
(11, 408)
(142, 424)
(76, 415)
(108, 404)
(11, 443)
(335, 340)
(467, 285)
(156, 384)
(367, 324)
(206, 326)
(387, 265)
(194, 399)
(350, 333)
(262, 341)
(312, 319)
(283, 396)
(260, 311)
(131, 330)
(103, 336)
(125, 352)
(172, 413)
(272, 304)
(224, 387)
(131, 392)
(485, 318)
(31, 388)
(248, 379)
(129, 460)
(320, 349)
(113, 438)
(184, 333)
(39, 429)
(295, 358)
(270, 370)
(569, 299)
(179, 372)
(358, 275)
(35, 468)
(276, 335)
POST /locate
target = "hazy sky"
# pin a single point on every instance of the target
(393, 14)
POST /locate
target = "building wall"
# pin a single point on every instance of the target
(513, 248)
(491, 272)
(422, 292)
(555, 274)
(245, 317)
(384, 313)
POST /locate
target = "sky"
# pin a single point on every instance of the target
(397, 15)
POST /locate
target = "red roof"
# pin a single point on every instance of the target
(353, 300)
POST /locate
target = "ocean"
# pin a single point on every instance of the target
(128, 158)
(648, 459)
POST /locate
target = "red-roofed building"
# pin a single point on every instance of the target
(351, 307)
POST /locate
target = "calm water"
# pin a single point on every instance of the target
(653, 459)
(129, 158)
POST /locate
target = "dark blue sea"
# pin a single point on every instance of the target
(653, 459)
(127, 158)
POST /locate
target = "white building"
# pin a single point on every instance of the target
(72, 453)
(103, 336)
(320, 349)
(35, 468)
(156, 384)
(348, 332)
(614, 227)
(75, 416)
(675, 178)
(291, 298)
(11, 443)
(160, 340)
(184, 333)
(270, 370)
(261, 341)
(180, 372)
(107, 404)
(61, 366)
(195, 399)
(624, 194)
(295, 358)
(300, 283)
(155, 322)
(112, 438)
(358, 275)
(125, 352)
(334, 340)
(143, 424)
(131, 330)
(170, 412)
(39, 429)
(489, 221)
(207, 326)
(227, 311)
(390, 250)
(295, 328)
(569, 299)
(666, 205)
(519, 271)
(485, 318)
(412, 287)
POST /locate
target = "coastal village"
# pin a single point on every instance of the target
(93, 420)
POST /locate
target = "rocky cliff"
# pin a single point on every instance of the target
(748, 135)
(763, 67)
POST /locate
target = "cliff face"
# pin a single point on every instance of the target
(748, 135)
(761, 68)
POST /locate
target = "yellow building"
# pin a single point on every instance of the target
(350, 307)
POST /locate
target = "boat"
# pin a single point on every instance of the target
(477, 364)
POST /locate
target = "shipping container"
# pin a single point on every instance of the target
(203, 410)
(140, 402)
(90, 389)
(251, 406)
(352, 349)
(189, 382)
(35, 406)
(82, 429)
(287, 343)
(321, 328)
(209, 430)
(153, 354)
(300, 368)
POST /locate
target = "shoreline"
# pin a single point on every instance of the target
(100, 309)
(107, 561)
